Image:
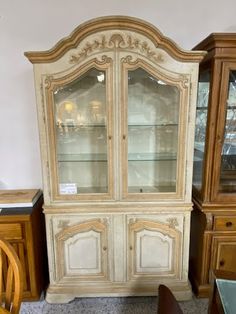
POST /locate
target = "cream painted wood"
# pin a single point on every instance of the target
(118, 254)
(155, 247)
(119, 242)
(183, 75)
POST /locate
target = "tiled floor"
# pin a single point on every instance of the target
(136, 305)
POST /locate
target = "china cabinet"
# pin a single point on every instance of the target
(213, 223)
(116, 107)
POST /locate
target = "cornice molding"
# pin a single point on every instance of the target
(114, 23)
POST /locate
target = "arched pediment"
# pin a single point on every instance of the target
(114, 23)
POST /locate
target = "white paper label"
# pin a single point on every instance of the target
(68, 188)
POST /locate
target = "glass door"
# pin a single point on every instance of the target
(200, 128)
(152, 134)
(83, 136)
(227, 181)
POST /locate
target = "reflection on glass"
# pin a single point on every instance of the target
(81, 134)
(227, 291)
(200, 128)
(153, 117)
(228, 154)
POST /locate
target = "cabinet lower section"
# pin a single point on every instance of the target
(117, 254)
(213, 247)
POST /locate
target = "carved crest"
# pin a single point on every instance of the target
(116, 41)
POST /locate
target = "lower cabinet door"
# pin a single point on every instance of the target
(224, 252)
(155, 247)
(81, 249)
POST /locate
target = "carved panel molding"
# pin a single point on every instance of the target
(148, 240)
(117, 41)
(75, 241)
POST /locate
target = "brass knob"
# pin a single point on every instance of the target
(229, 224)
(109, 137)
(222, 262)
(124, 137)
(131, 248)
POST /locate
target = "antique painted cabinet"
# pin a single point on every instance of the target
(213, 223)
(116, 107)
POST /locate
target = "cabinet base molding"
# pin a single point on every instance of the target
(65, 294)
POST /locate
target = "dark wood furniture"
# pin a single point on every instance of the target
(167, 303)
(24, 228)
(213, 221)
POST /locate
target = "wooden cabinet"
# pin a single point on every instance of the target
(116, 106)
(22, 224)
(213, 228)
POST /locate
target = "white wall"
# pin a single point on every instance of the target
(38, 24)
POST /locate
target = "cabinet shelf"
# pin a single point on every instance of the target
(103, 157)
(82, 157)
(152, 189)
(79, 127)
(152, 156)
(154, 125)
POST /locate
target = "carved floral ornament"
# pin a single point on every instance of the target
(116, 41)
(170, 222)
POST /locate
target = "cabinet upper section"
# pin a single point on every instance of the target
(116, 105)
(119, 24)
(214, 176)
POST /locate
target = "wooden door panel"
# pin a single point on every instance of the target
(82, 252)
(224, 253)
(154, 249)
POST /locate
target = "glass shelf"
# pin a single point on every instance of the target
(154, 125)
(80, 127)
(82, 157)
(103, 157)
(151, 157)
(152, 189)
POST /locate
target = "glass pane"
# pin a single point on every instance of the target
(81, 134)
(153, 114)
(200, 128)
(227, 291)
(228, 154)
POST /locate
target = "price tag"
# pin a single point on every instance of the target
(68, 188)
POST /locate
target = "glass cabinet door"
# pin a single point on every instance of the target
(200, 128)
(81, 131)
(153, 118)
(227, 182)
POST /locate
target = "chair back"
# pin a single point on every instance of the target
(11, 278)
(167, 304)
